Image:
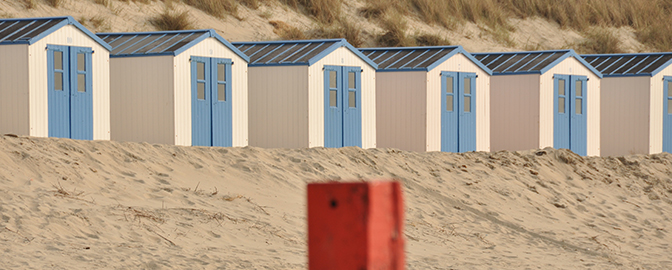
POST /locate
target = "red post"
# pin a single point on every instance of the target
(355, 226)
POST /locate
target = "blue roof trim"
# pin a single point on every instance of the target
(206, 33)
(566, 54)
(66, 20)
(455, 50)
(625, 74)
(572, 53)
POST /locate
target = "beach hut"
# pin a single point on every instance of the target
(54, 79)
(177, 87)
(543, 98)
(636, 102)
(431, 99)
(310, 93)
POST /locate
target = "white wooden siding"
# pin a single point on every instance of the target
(278, 97)
(141, 97)
(401, 110)
(69, 36)
(210, 47)
(458, 63)
(514, 112)
(656, 112)
(624, 107)
(14, 92)
(570, 66)
(342, 57)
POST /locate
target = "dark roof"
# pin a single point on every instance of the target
(31, 30)
(505, 63)
(294, 52)
(636, 64)
(415, 58)
(160, 43)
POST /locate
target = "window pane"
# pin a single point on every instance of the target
(669, 106)
(58, 60)
(81, 63)
(561, 87)
(669, 89)
(352, 101)
(579, 88)
(467, 104)
(351, 80)
(467, 86)
(200, 91)
(332, 79)
(58, 81)
(221, 92)
(81, 82)
(200, 71)
(449, 85)
(221, 72)
(449, 103)
(333, 98)
(561, 105)
(579, 109)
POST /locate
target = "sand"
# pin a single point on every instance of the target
(67, 204)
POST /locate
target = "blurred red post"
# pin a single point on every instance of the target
(355, 226)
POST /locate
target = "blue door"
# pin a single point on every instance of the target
(211, 101)
(342, 106)
(570, 115)
(458, 111)
(667, 114)
(70, 97)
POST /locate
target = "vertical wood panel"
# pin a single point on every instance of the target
(514, 112)
(571, 66)
(342, 57)
(14, 89)
(69, 36)
(142, 99)
(624, 107)
(278, 98)
(656, 100)
(401, 110)
(458, 63)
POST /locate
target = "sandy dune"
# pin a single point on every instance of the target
(68, 204)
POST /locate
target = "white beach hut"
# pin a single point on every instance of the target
(636, 102)
(177, 87)
(54, 79)
(541, 99)
(310, 93)
(431, 99)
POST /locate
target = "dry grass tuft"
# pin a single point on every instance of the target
(30, 4)
(324, 11)
(98, 24)
(55, 3)
(430, 40)
(599, 40)
(172, 20)
(395, 35)
(253, 4)
(343, 28)
(105, 3)
(286, 31)
(217, 8)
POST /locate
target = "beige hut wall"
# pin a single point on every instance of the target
(141, 97)
(278, 98)
(341, 57)
(210, 47)
(401, 110)
(514, 112)
(14, 89)
(656, 107)
(69, 36)
(458, 63)
(570, 66)
(625, 131)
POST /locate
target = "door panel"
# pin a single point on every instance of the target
(333, 112)
(561, 101)
(352, 106)
(667, 114)
(81, 101)
(449, 111)
(222, 130)
(467, 113)
(201, 98)
(58, 66)
(578, 121)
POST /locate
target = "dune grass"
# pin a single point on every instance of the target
(172, 20)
